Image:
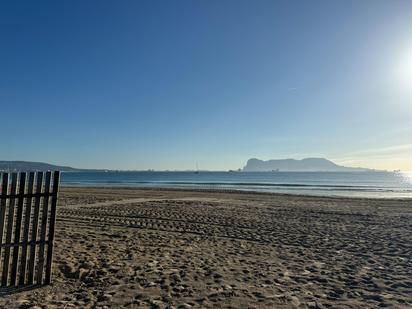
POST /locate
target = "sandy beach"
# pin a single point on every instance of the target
(147, 248)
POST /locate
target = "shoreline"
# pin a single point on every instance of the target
(361, 185)
(239, 191)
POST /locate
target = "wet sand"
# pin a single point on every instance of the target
(142, 248)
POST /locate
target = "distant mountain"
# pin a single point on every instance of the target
(292, 165)
(15, 166)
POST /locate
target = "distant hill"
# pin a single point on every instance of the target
(292, 165)
(15, 166)
(252, 165)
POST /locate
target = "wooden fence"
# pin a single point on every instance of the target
(27, 222)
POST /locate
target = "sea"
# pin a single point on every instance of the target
(348, 184)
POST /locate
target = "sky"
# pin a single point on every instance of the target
(168, 84)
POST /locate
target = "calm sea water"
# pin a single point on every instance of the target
(371, 184)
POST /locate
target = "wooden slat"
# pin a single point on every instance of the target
(45, 209)
(17, 230)
(35, 223)
(26, 195)
(3, 204)
(9, 232)
(26, 229)
(56, 178)
(15, 244)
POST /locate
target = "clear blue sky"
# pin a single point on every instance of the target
(166, 84)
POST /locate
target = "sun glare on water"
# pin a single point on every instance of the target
(407, 177)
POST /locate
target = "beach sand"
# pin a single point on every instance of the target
(143, 248)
